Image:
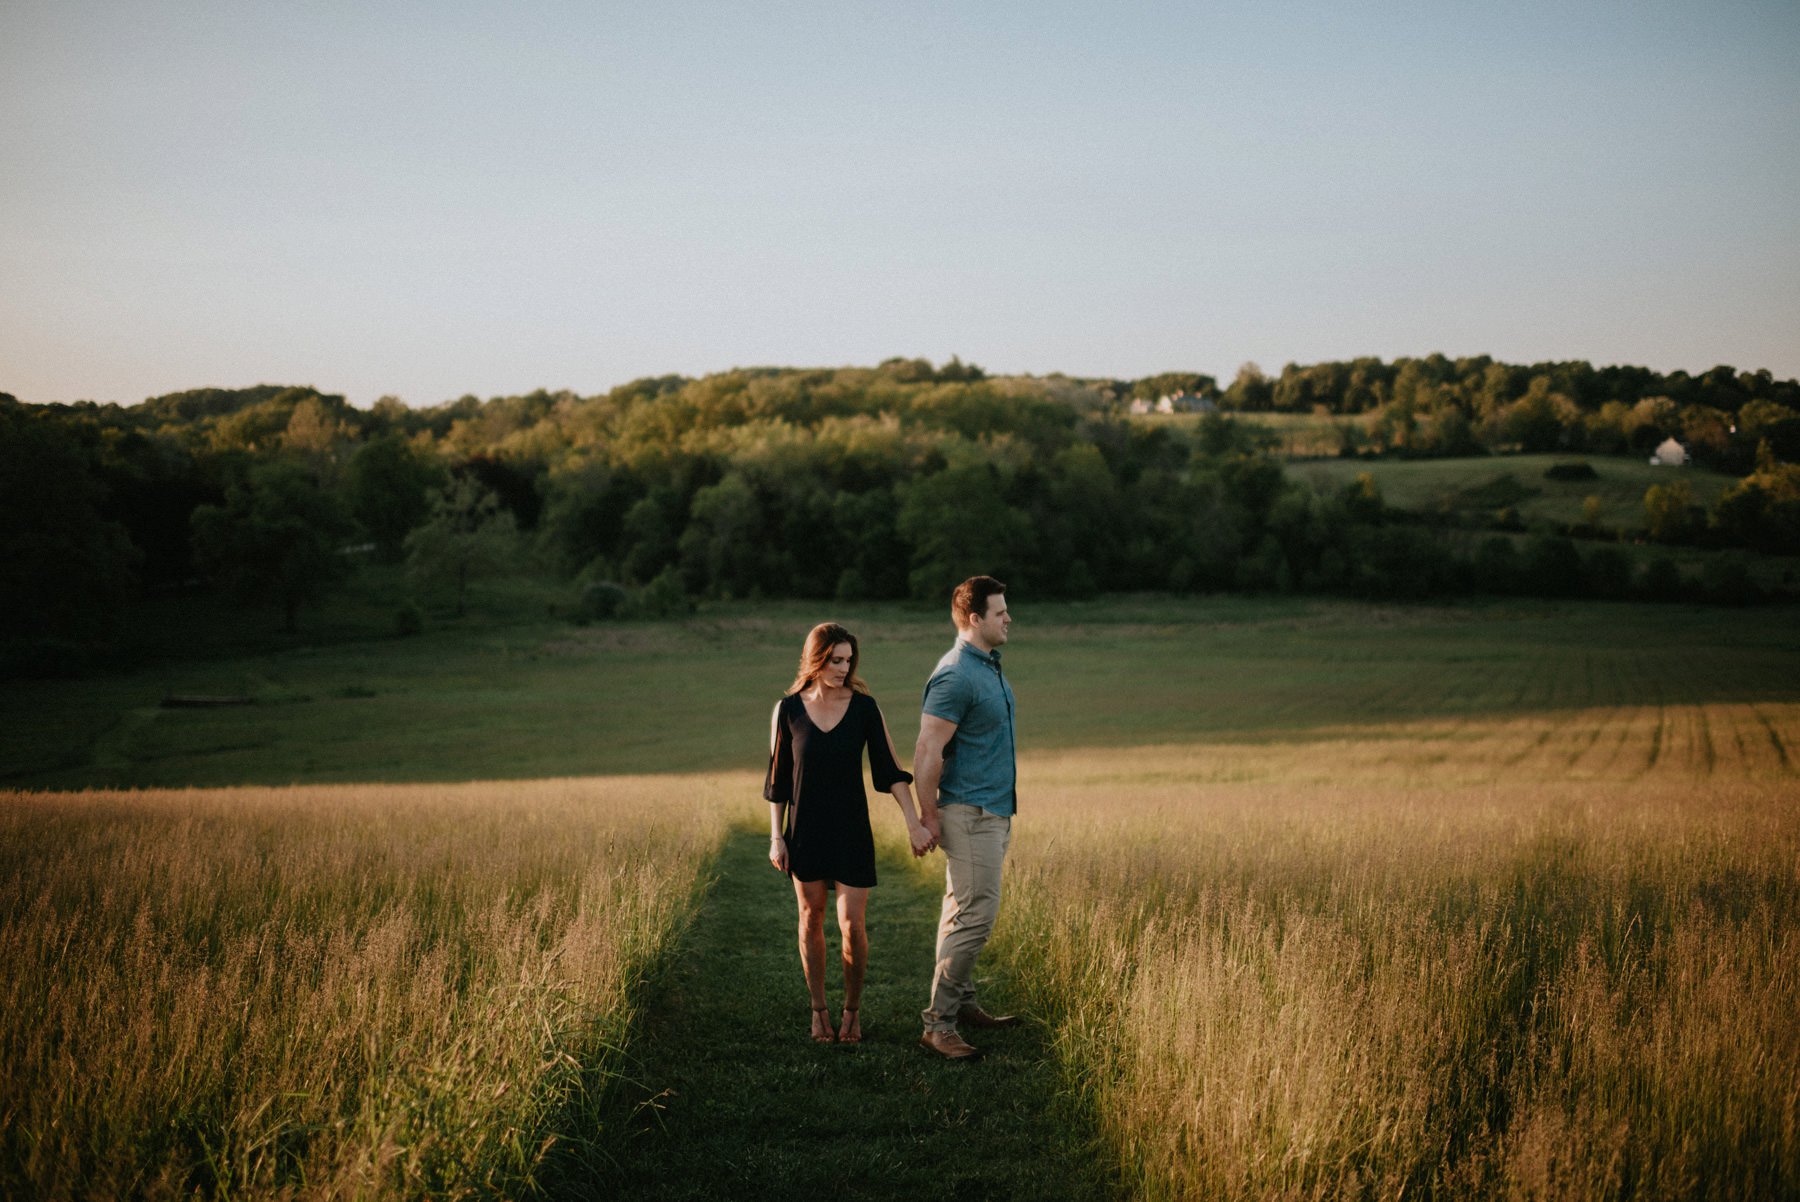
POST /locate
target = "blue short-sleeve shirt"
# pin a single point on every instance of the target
(980, 762)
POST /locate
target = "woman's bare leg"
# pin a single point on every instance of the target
(813, 904)
(853, 904)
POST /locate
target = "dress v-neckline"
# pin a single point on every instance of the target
(825, 730)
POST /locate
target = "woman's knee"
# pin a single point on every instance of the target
(812, 918)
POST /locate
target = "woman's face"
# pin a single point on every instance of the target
(837, 666)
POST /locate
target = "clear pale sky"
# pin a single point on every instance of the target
(436, 198)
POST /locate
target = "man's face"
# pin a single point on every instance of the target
(991, 627)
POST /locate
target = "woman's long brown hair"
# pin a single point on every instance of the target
(817, 650)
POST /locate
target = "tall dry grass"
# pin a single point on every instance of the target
(332, 991)
(1418, 963)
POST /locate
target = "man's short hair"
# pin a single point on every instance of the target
(971, 599)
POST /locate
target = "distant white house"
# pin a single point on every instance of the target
(1669, 454)
(1174, 402)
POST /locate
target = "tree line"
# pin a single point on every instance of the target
(1440, 406)
(850, 483)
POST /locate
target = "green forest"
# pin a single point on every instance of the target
(883, 482)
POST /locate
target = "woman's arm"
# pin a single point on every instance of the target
(922, 840)
(890, 777)
(778, 851)
(777, 788)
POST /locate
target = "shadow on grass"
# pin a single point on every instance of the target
(589, 1126)
(730, 1098)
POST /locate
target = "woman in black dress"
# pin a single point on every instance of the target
(819, 814)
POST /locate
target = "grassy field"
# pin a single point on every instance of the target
(1309, 899)
(1489, 483)
(329, 992)
(538, 698)
(1475, 977)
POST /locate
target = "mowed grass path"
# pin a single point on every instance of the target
(733, 1099)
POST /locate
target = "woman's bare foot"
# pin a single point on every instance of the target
(851, 1030)
(821, 1027)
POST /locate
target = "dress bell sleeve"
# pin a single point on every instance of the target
(883, 765)
(779, 784)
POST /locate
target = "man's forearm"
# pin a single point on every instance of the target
(928, 769)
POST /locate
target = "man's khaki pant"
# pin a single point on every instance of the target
(974, 845)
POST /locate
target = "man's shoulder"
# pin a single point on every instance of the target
(947, 689)
(949, 664)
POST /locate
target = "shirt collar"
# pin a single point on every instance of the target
(991, 658)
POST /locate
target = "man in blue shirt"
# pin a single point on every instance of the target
(965, 771)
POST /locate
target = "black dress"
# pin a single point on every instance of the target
(818, 774)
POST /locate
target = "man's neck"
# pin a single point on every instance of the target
(969, 637)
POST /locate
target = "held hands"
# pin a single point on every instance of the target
(778, 853)
(923, 839)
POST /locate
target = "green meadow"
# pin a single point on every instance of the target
(511, 693)
(1489, 483)
(1308, 899)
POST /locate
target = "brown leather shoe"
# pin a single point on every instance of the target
(949, 1045)
(975, 1016)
